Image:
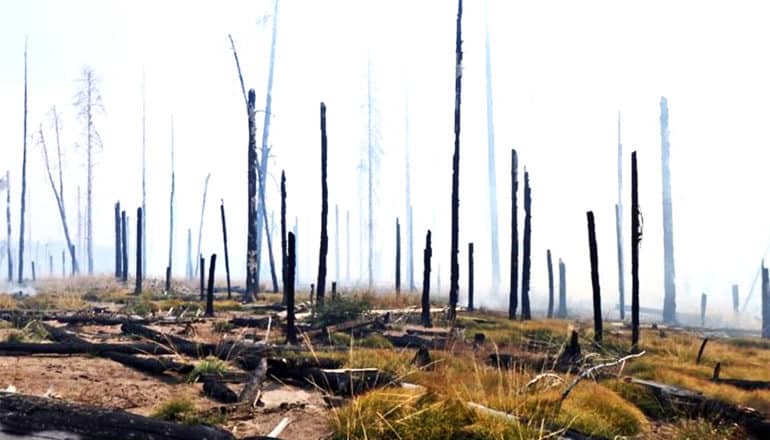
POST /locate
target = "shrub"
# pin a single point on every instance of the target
(210, 365)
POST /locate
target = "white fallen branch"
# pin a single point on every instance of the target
(279, 428)
(590, 372)
(555, 377)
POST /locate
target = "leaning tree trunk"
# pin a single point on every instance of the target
(252, 265)
(398, 257)
(550, 284)
(227, 254)
(470, 277)
(595, 277)
(288, 288)
(636, 237)
(23, 178)
(669, 299)
(426, 321)
(562, 290)
(284, 250)
(118, 252)
(210, 291)
(526, 313)
(454, 264)
(513, 295)
(139, 216)
(324, 246)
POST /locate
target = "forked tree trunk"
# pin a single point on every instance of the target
(454, 269)
(324, 246)
(636, 237)
(595, 277)
(550, 285)
(427, 253)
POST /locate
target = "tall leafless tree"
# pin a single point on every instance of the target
(88, 101)
(526, 261)
(454, 269)
(171, 206)
(619, 229)
(324, 245)
(7, 187)
(58, 192)
(23, 176)
(144, 179)
(491, 172)
(203, 209)
(513, 293)
(669, 273)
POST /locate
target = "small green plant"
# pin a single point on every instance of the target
(222, 326)
(342, 309)
(183, 410)
(210, 365)
(374, 341)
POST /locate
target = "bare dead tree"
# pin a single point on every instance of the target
(284, 250)
(171, 206)
(454, 287)
(203, 209)
(427, 254)
(669, 298)
(118, 251)
(562, 290)
(347, 246)
(336, 242)
(88, 101)
(23, 176)
(398, 257)
(227, 257)
(288, 287)
(58, 192)
(144, 179)
(491, 172)
(210, 294)
(324, 246)
(513, 295)
(526, 262)
(189, 270)
(8, 223)
(470, 277)
(619, 230)
(636, 237)
(703, 300)
(594, 256)
(139, 216)
(550, 285)
(124, 246)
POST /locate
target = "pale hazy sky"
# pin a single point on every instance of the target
(561, 72)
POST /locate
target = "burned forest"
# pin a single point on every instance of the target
(376, 143)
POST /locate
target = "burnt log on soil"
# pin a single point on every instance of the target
(342, 382)
(253, 388)
(219, 392)
(27, 415)
(250, 322)
(28, 348)
(697, 405)
(412, 341)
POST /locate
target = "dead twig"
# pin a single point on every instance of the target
(590, 372)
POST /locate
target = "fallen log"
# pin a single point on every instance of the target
(411, 341)
(27, 348)
(219, 392)
(253, 389)
(250, 322)
(342, 327)
(27, 415)
(697, 405)
(342, 382)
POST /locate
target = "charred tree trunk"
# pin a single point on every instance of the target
(138, 289)
(669, 300)
(269, 234)
(23, 200)
(74, 268)
(118, 251)
(427, 254)
(284, 244)
(765, 303)
(513, 294)
(288, 288)
(636, 237)
(324, 246)
(252, 265)
(398, 257)
(124, 245)
(227, 254)
(470, 277)
(210, 293)
(595, 277)
(526, 262)
(454, 264)
(336, 242)
(202, 263)
(550, 284)
(736, 303)
(34, 277)
(703, 299)
(562, 290)
(168, 279)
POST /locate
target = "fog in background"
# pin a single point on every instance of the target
(561, 72)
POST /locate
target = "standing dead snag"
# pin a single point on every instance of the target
(171, 215)
(227, 254)
(188, 266)
(203, 209)
(324, 246)
(202, 263)
(398, 257)
(454, 264)
(703, 299)
(138, 288)
(8, 224)
(284, 255)
(336, 242)
(736, 304)
(168, 279)
(210, 293)
(550, 285)
(23, 177)
(124, 246)
(595, 277)
(526, 261)
(765, 303)
(636, 237)
(669, 299)
(619, 229)
(470, 276)
(251, 224)
(491, 172)
(144, 180)
(426, 321)
(288, 289)
(118, 252)
(562, 290)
